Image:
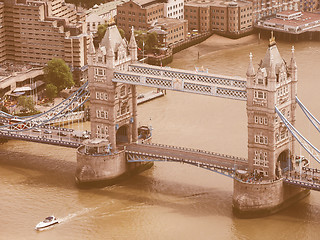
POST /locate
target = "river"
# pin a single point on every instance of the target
(171, 200)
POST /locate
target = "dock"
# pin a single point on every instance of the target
(145, 97)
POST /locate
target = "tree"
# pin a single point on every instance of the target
(101, 31)
(26, 103)
(122, 33)
(51, 91)
(150, 40)
(58, 73)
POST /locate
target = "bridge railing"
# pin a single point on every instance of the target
(40, 139)
(228, 170)
(196, 150)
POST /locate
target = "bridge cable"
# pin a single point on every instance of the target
(36, 120)
(312, 150)
(311, 118)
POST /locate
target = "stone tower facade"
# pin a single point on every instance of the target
(113, 105)
(274, 84)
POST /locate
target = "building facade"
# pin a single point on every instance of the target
(34, 32)
(102, 13)
(266, 8)
(170, 30)
(219, 16)
(174, 9)
(139, 14)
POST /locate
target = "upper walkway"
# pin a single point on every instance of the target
(224, 164)
(183, 80)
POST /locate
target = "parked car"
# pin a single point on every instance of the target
(61, 134)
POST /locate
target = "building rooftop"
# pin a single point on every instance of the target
(293, 21)
(216, 3)
(299, 20)
(168, 22)
(145, 3)
(104, 8)
(93, 17)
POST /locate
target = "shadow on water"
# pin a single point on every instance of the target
(141, 189)
(182, 198)
(50, 171)
(299, 221)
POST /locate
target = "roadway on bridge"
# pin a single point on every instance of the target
(190, 154)
(52, 135)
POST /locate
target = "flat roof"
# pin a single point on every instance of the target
(169, 22)
(303, 19)
(216, 3)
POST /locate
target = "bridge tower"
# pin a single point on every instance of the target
(113, 105)
(274, 84)
(113, 110)
(270, 146)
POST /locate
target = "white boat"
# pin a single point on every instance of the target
(48, 221)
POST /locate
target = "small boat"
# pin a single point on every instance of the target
(48, 221)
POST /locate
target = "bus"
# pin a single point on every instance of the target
(18, 123)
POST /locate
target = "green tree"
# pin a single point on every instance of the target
(26, 103)
(150, 40)
(51, 91)
(101, 31)
(58, 73)
(122, 33)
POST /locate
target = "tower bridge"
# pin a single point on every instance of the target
(265, 182)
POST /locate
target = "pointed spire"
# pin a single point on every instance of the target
(293, 63)
(110, 52)
(272, 71)
(91, 49)
(250, 70)
(132, 43)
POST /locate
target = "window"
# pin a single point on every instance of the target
(123, 91)
(260, 94)
(260, 158)
(260, 139)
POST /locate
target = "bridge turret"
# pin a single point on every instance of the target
(91, 51)
(113, 109)
(110, 56)
(133, 47)
(269, 144)
(270, 147)
(250, 73)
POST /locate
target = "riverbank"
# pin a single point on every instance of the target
(213, 44)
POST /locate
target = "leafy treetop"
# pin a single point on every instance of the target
(58, 73)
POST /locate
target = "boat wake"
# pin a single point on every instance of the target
(70, 216)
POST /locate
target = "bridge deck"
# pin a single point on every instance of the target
(58, 136)
(306, 178)
(212, 161)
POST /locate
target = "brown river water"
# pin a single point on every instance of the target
(171, 200)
